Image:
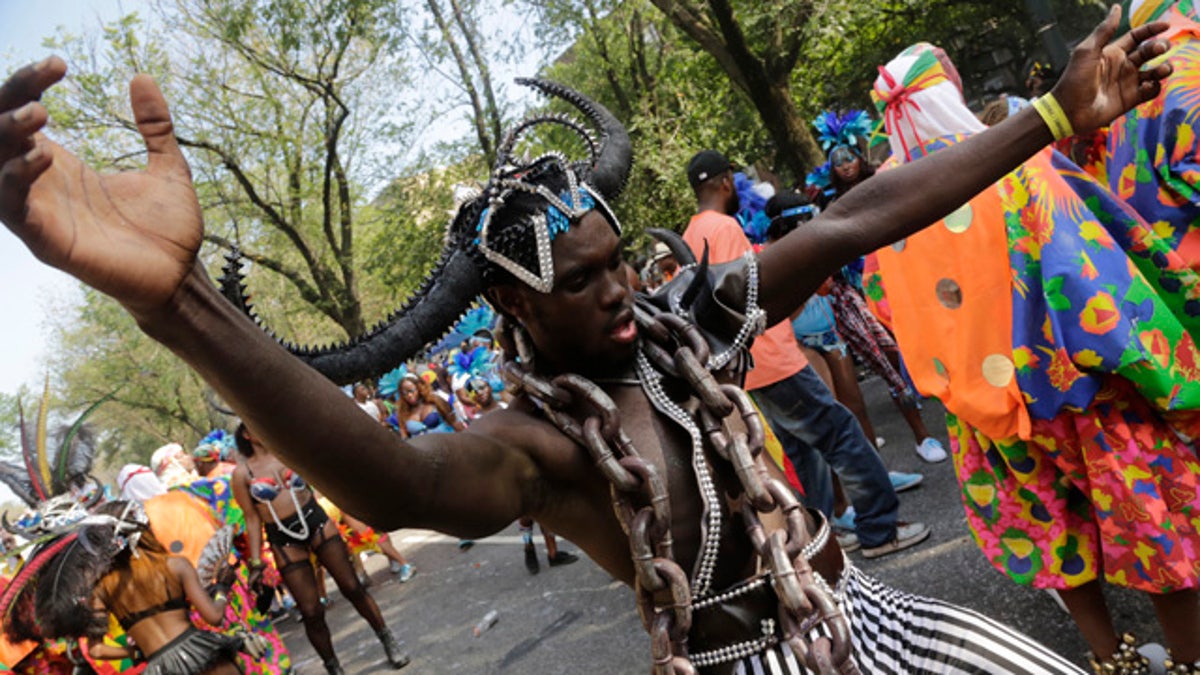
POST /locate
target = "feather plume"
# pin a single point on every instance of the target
(849, 129)
(476, 319)
(15, 624)
(820, 177)
(70, 460)
(389, 383)
(63, 590)
(751, 214)
(43, 453)
(29, 456)
(17, 480)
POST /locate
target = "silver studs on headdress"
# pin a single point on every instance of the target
(561, 211)
(583, 198)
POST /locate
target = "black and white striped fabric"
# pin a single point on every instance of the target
(901, 633)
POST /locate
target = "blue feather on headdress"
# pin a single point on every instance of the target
(820, 177)
(849, 129)
(389, 383)
(478, 362)
(751, 213)
(479, 318)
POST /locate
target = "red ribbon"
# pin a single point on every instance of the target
(897, 99)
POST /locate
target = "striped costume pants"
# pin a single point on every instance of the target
(901, 633)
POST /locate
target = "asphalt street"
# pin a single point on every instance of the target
(576, 619)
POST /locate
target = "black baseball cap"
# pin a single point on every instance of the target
(706, 164)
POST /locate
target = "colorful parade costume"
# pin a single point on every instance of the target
(1151, 155)
(52, 481)
(708, 314)
(1054, 326)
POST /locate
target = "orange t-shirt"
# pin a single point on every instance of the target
(776, 354)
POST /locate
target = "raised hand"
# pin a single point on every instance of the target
(1104, 78)
(132, 235)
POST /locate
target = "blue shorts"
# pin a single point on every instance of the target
(824, 342)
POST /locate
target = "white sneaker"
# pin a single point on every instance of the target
(931, 450)
(880, 441)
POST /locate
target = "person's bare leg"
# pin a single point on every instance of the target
(385, 545)
(553, 555)
(817, 361)
(1179, 616)
(531, 561)
(846, 389)
(1090, 611)
(910, 411)
(913, 417)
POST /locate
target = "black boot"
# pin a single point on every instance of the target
(333, 667)
(531, 561)
(395, 654)
(562, 558)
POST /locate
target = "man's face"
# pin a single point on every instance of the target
(667, 265)
(585, 324)
(360, 393)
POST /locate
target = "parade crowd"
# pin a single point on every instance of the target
(691, 419)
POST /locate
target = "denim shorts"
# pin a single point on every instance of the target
(824, 342)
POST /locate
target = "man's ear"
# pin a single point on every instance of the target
(509, 300)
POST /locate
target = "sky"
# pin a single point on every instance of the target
(28, 289)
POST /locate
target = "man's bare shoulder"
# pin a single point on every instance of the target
(522, 427)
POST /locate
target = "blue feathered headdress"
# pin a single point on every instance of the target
(820, 177)
(215, 446)
(389, 383)
(477, 319)
(849, 129)
(478, 362)
(751, 213)
(481, 317)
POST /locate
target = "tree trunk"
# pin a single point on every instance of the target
(797, 149)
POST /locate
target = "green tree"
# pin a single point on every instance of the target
(288, 112)
(758, 46)
(672, 96)
(156, 398)
(455, 36)
(990, 42)
(282, 105)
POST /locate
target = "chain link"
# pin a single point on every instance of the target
(585, 413)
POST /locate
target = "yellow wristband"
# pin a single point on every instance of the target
(1052, 114)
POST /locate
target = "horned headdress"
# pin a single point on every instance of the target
(500, 233)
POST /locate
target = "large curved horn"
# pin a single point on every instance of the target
(443, 297)
(679, 248)
(610, 167)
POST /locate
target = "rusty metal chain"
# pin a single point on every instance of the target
(585, 413)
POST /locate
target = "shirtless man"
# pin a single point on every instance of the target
(135, 236)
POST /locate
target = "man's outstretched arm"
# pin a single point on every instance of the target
(1103, 80)
(135, 237)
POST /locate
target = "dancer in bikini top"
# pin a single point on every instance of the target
(278, 500)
